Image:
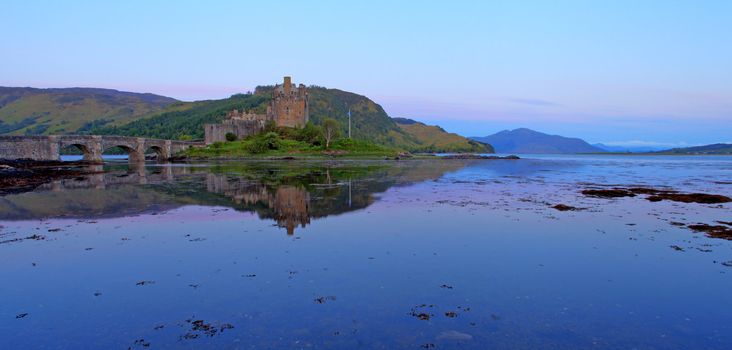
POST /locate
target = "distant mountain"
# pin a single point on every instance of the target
(432, 138)
(714, 149)
(57, 111)
(627, 149)
(529, 141)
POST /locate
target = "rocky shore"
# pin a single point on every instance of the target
(23, 175)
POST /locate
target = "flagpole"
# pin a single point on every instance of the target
(349, 122)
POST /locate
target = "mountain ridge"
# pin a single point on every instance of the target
(43, 111)
(627, 149)
(433, 138)
(525, 140)
(711, 149)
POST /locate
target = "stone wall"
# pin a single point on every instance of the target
(239, 127)
(28, 147)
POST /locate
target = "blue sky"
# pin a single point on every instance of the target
(657, 72)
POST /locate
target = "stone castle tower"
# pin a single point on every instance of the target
(289, 106)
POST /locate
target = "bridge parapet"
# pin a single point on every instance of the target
(92, 146)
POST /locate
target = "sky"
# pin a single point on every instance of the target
(622, 72)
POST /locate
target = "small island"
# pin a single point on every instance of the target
(283, 130)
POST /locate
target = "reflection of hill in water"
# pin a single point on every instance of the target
(290, 193)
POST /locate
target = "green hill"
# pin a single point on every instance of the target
(713, 149)
(33, 111)
(111, 112)
(432, 138)
(184, 120)
(369, 121)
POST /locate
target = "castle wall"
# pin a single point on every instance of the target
(239, 127)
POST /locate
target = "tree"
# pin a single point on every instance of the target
(230, 136)
(331, 130)
(311, 134)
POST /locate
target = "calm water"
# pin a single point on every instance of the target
(394, 255)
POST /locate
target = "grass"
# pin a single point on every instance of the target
(431, 138)
(248, 148)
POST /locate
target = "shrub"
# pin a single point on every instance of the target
(264, 142)
(230, 136)
(256, 146)
(311, 134)
(271, 140)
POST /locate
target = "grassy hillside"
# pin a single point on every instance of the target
(184, 120)
(714, 149)
(62, 111)
(432, 138)
(369, 122)
(111, 112)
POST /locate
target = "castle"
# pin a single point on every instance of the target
(288, 107)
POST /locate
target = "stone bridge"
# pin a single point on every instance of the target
(92, 146)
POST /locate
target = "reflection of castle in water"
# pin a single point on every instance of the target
(290, 194)
(289, 205)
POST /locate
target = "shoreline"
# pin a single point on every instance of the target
(23, 175)
(329, 157)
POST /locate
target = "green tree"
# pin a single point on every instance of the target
(331, 131)
(311, 134)
(230, 136)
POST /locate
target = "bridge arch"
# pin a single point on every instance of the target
(85, 151)
(161, 148)
(159, 152)
(89, 147)
(133, 154)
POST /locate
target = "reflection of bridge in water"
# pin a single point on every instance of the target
(92, 146)
(136, 175)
